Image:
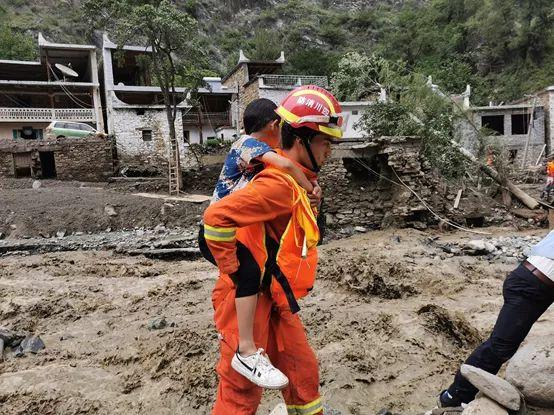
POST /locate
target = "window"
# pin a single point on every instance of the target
(146, 135)
(354, 112)
(494, 123)
(512, 156)
(86, 127)
(520, 123)
(186, 136)
(27, 133)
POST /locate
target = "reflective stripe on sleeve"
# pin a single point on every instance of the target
(212, 233)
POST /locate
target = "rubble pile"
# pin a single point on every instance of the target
(507, 247)
(370, 188)
(159, 242)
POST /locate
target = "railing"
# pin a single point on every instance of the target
(47, 114)
(215, 119)
(293, 80)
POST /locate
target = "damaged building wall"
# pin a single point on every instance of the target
(546, 99)
(85, 159)
(142, 137)
(354, 196)
(510, 125)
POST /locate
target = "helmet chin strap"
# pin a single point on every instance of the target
(315, 167)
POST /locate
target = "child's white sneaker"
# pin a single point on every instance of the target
(258, 369)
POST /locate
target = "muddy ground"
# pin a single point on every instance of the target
(76, 207)
(391, 317)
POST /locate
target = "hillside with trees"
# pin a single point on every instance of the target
(503, 48)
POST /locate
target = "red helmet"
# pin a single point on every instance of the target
(313, 107)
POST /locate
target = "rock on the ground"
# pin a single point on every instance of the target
(157, 324)
(479, 247)
(360, 229)
(532, 370)
(492, 386)
(484, 406)
(37, 184)
(280, 409)
(110, 210)
(30, 344)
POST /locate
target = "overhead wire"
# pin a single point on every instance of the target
(403, 184)
(15, 100)
(71, 96)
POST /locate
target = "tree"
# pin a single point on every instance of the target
(413, 109)
(176, 58)
(14, 45)
(357, 76)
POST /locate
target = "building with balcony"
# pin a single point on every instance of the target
(136, 117)
(35, 93)
(253, 79)
(61, 85)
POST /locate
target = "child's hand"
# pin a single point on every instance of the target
(315, 196)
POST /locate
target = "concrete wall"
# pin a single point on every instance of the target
(132, 149)
(86, 159)
(6, 128)
(546, 99)
(275, 94)
(353, 112)
(509, 141)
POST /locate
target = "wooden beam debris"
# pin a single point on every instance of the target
(527, 200)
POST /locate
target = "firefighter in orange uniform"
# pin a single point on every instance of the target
(272, 217)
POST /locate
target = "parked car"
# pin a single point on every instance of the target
(60, 129)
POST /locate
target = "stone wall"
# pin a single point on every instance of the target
(355, 196)
(546, 99)
(6, 164)
(238, 79)
(86, 159)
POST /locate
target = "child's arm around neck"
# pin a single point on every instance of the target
(283, 163)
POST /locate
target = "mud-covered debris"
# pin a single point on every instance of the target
(157, 324)
(479, 247)
(110, 210)
(168, 253)
(30, 344)
(327, 410)
(453, 326)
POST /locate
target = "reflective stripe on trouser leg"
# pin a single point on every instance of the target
(311, 408)
(290, 352)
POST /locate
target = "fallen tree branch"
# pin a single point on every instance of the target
(527, 200)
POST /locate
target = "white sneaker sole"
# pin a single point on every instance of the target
(239, 367)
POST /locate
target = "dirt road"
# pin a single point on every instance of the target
(390, 318)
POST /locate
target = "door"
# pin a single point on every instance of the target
(22, 164)
(47, 164)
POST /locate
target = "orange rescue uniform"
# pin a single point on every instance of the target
(272, 205)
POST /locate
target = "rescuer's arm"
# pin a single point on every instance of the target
(262, 200)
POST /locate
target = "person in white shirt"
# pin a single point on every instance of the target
(528, 292)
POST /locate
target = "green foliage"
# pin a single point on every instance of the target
(265, 45)
(503, 48)
(15, 45)
(416, 110)
(357, 76)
